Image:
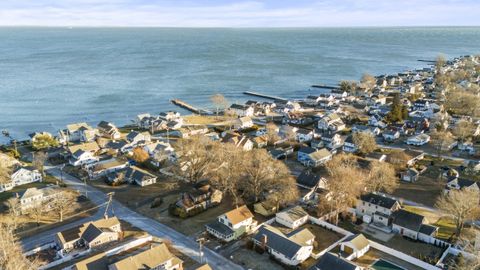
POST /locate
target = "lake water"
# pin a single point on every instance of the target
(53, 76)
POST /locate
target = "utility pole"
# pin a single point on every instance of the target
(110, 197)
(85, 186)
(200, 241)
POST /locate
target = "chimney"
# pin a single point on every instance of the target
(264, 240)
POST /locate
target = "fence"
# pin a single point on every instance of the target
(329, 226)
(403, 256)
(40, 248)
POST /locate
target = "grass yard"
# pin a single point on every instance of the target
(206, 120)
(415, 249)
(426, 190)
(251, 259)
(445, 224)
(323, 237)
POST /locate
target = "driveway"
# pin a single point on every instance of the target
(184, 244)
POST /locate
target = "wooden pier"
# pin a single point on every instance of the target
(264, 96)
(323, 86)
(427, 61)
(189, 107)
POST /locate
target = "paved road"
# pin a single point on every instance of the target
(186, 245)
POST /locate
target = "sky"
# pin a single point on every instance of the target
(240, 13)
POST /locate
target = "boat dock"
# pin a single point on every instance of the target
(323, 86)
(263, 96)
(189, 107)
(427, 61)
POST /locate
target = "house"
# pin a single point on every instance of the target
(355, 246)
(243, 123)
(331, 122)
(409, 175)
(160, 151)
(170, 116)
(79, 132)
(140, 177)
(242, 110)
(108, 130)
(202, 197)
(376, 121)
(135, 138)
(260, 141)
(105, 167)
(421, 105)
(238, 140)
(338, 93)
(89, 234)
(37, 196)
(349, 146)
(157, 257)
(91, 147)
(304, 135)
(310, 180)
(232, 224)
(418, 140)
(292, 218)
(376, 208)
(290, 249)
(265, 208)
(311, 157)
(376, 156)
(410, 225)
(391, 135)
(330, 261)
(374, 131)
(81, 157)
(25, 175)
(455, 183)
(414, 156)
(331, 140)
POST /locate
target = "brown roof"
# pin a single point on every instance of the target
(148, 259)
(97, 262)
(239, 214)
(87, 147)
(204, 267)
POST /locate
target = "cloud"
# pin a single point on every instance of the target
(229, 13)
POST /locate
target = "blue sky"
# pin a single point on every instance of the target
(240, 13)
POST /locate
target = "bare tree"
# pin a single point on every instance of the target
(368, 81)
(11, 253)
(263, 174)
(346, 181)
(5, 173)
(140, 155)
(365, 142)
(462, 205)
(63, 202)
(381, 177)
(398, 159)
(14, 210)
(36, 212)
(226, 177)
(39, 159)
(195, 157)
(441, 141)
(272, 133)
(463, 130)
(219, 100)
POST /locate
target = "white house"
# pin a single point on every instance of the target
(331, 122)
(411, 225)
(243, 123)
(34, 196)
(418, 140)
(391, 135)
(349, 146)
(291, 249)
(355, 246)
(242, 110)
(304, 135)
(232, 224)
(79, 132)
(135, 138)
(22, 176)
(292, 218)
(312, 157)
(109, 130)
(81, 157)
(376, 208)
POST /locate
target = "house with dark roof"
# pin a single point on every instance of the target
(455, 183)
(232, 224)
(411, 225)
(330, 261)
(290, 249)
(140, 177)
(89, 234)
(376, 208)
(108, 130)
(293, 217)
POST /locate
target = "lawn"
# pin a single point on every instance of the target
(251, 259)
(445, 224)
(205, 120)
(323, 237)
(425, 191)
(415, 249)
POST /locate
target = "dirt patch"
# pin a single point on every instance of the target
(251, 259)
